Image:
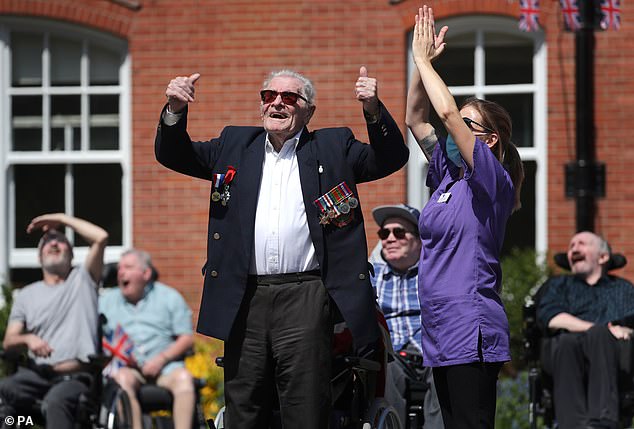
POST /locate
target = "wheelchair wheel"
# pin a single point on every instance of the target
(117, 412)
(382, 415)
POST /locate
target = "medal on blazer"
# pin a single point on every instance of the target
(221, 186)
(337, 206)
(229, 175)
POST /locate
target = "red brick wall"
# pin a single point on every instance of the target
(233, 44)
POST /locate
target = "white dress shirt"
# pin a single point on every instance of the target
(282, 242)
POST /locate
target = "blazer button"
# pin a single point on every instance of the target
(362, 276)
(216, 236)
(214, 273)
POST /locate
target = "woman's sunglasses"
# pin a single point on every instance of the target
(398, 232)
(470, 123)
(288, 97)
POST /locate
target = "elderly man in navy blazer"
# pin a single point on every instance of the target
(287, 254)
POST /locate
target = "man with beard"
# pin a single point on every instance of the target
(55, 320)
(583, 357)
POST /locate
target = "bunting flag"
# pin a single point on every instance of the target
(572, 19)
(610, 14)
(118, 345)
(529, 15)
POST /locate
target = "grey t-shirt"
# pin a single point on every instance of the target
(64, 315)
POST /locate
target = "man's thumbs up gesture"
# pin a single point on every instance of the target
(365, 90)
(180, 91)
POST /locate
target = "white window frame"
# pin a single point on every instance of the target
(10, 256)
(417, 192)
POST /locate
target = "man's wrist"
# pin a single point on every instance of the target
(171, 118)
(371, 118)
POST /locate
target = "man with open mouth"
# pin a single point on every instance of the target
(286, 248)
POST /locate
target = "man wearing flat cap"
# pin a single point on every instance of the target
(395, 282)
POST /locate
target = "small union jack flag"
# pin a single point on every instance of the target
(572, 19)
(610, 14)
(118, 345)
(529, 15)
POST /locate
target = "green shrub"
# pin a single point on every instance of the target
(7, 301)
(522, 274)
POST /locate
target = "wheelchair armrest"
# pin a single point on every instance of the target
(199, 383)
(626, 357)
(362, 363)
(98, 361)
(15, 356)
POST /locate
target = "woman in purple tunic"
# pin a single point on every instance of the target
(476, 175)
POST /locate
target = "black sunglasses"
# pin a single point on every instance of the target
(470, 123)
(398, 232)
(288, 97)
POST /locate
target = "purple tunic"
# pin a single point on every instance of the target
(459, 275)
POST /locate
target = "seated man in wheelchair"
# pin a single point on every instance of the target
(55, 319)
(583, 355)
(396, 285)
(158, 322)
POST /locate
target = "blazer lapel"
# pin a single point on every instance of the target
(251, 169)
(310, 178)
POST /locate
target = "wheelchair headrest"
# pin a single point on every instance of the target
(616, 261)
(109, 274)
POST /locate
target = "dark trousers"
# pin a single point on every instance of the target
(399, 376)
(281, 341)
(584, 367)
(467, 394)
(59, 397)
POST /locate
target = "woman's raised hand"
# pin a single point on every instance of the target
(426, 45)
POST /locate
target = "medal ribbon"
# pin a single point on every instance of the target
(332, 198)
(231, 172)
(218, 180)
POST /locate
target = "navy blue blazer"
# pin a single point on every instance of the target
(342, 252)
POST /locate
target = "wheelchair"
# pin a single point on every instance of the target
(155, 401)
(101, 407)
(357, 386)
(415, 390)
(540, 383)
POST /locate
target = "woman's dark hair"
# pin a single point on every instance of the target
(497, 118)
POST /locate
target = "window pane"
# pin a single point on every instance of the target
(520, 106)
(509, 59)
(455, 65)
(104, 122)
(104, 66)
(65, 62)
(26, 123)
(39, 189)
(520, 229)
(65, 119)
(26, 59)
(20, 277)
(437, 123)
(97, 190)
(66, 138)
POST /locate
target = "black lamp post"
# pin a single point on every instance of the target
(585, 177)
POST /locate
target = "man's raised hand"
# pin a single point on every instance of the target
(180, 91)
(366, 92)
